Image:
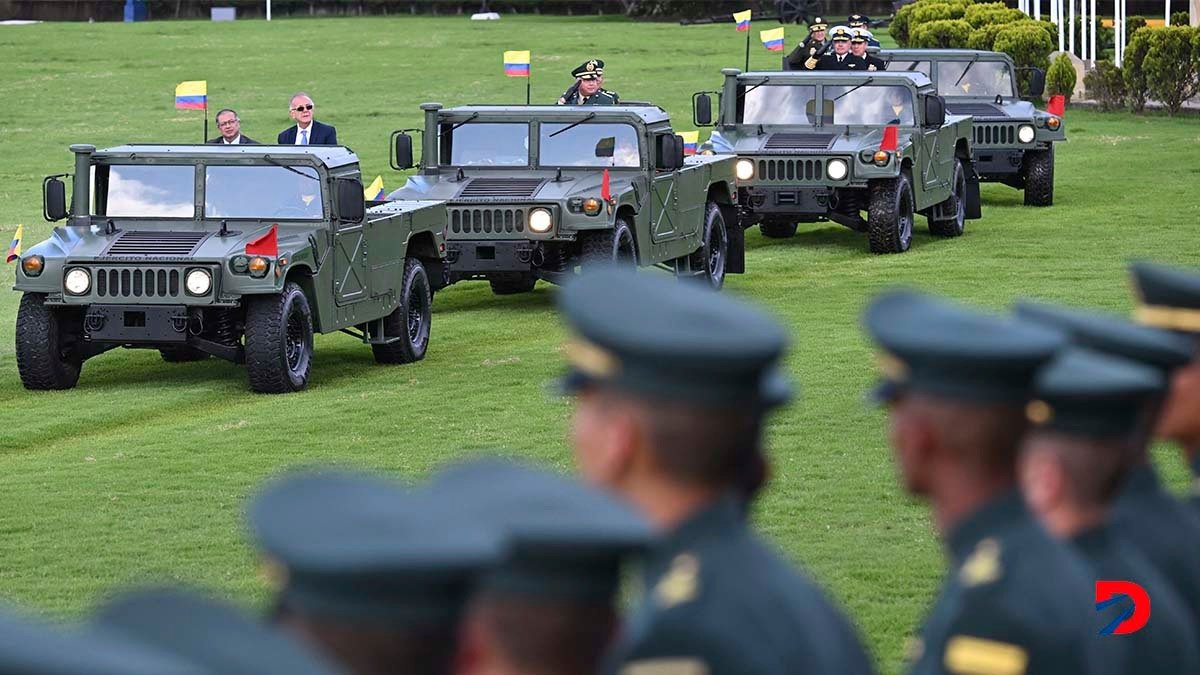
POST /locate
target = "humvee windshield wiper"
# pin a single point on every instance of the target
(451, 129)
(964, 72)
(572, 126)
(912, 66)
(270, 160)
(867, 81)
(750, 89)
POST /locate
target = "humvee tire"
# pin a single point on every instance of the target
(955, 206)
(1038, 169)
(279, 341)
(890, 215)
(181, 354)
(777, 230)
(410, 320)
(605, 247)
(511, 283)
(713, 255)
(41, 335)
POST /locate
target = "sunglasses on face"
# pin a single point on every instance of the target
(302, 108)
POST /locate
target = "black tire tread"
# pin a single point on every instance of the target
(777, 230)
(1039, 177)
(265, 331)
(37, 336)
(402, 351)
(950, 227)
(596, 247)
(512, 283)
(882, 236)
(699, 258)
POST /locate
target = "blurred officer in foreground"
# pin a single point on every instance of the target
(549, 606)
(673, 381)
(1090, 410)
(1163, 529)
(812, 47)
(1169, 298)
(375, 576)
(589, 86)
(956, 383)
(214, 636)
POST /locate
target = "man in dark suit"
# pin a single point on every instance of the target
(307, 130)
(840, 58)
(230, 127)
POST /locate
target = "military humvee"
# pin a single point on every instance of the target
(239, 252)
(534, 191)
(815, 146)
(1014, 142)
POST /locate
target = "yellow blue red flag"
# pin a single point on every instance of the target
(374, 191)
(690, 140)
(516, 64)
(742, 20)
(192, 95)
(14, 249)
(772, 39)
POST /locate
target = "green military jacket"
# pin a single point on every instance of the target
(718, 601)
(1166, 644)
(602, 97)
(1163, 529)
(1016, 601)
(1194, 499)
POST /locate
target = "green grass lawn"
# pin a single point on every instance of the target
(141, 473)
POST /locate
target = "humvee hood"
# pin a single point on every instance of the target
(150, 243)
(810, 142)
(523, 186)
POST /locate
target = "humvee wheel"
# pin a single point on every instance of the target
(713, 253)
(1038, 169)
(279, 341)
(606, 247)
(776, 229)
(45, 341)
(410, 321)
(181, 354)
(956, 205)
(511, 283)
(890, 215)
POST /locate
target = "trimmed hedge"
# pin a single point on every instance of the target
(1172, 65)
(1180, 18)
(1029, 46)
(985, 37)
(1105, 85)
(991, 13)
(1136, 90)
(1060, 77)
(941, 34)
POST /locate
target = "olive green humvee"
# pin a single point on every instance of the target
(234, 251)
(533, 192)
(811, 147)
(1014, 141)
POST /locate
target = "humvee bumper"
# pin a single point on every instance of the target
(136, 324)
(778, 200)
(478, 257)
(997, 164)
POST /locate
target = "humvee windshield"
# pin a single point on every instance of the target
(779, 104)
(486, 144)
(262, 192)
(871, 105)
(974, 78)
(145, 190)
(577, 146)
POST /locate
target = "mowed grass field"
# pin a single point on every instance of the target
(142, 472)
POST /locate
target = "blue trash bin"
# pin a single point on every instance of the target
(136, 10)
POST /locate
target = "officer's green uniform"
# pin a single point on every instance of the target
(833, 61)
(1163, 529)
(1016, 601)
(716, 599)
(1097, 399)
(809, 48)
(588, 70)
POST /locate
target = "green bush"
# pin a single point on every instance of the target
(1172, 66)
(1131, 24)
(1029, 46)
(1180, 19)
(1105, 85)
(1060, 77)
(923, 11)
(934, 11)
(991, 13)
(898, 29)
(985, 37)
(941, 34)
(1131, 67)
(1050, 28)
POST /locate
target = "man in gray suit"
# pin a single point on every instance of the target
(230, 127)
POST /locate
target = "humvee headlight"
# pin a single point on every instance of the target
(198, 282)
(837, 169)
(1053, 123)
(591, 206)
(540, 220)
(240, 264)
(881, 157)
(258, 266)
(77, 281)
(33, 265)
(1025, 133)
(744, 169)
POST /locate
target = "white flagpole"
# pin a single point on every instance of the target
(1058, 17)
(1095, 27)
(268, 10)
(1083, 30)
(1071, 27)
(1037, 9)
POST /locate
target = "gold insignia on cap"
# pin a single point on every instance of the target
(274, 573)
(914, 649)
(1171, 318)
(983, 565)
(680, 583)
(592, 359)
(591, 65)
(968, 655)
(892, 368)
(1039, 412)
(670, 666)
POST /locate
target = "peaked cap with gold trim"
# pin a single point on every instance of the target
(1086, 393)
(589, 70)
(655, 336)
(1168, 297)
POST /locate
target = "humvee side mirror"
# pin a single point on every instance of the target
(935, 111)
(669, 152)
(54, 199)
(1037, 82)
(351, 205)
(606, 147)
(402, 151)
(702, 114)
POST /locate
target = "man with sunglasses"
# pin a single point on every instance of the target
(230, 126)
(307, 130)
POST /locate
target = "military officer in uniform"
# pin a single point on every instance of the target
(840, 58)
(812, 47)
(864, 23)
(1088, 412)
(859, 39)
(1165, 530)
(957, 383)
(1169, 298)
(589, 86)
(673, 382)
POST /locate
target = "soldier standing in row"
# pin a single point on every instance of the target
(812, 47)
(589, 86)
(859, 40)
(673, 383)
(864, 23)
(840, 58)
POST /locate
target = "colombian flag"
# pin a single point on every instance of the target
(192, 95)
(743, 20)
(516, 64)
(772, 39)
(374, 191)
(690, 140)
(14, 249)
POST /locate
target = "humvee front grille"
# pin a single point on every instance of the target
(976, 109)
(995, 134)
(791, 169)
(136, 282)
(487, 220)
(156, 243)
(508, 188)
(799, 142)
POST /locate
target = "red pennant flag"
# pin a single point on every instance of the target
(266, 245)
(889, 141)
(1057, 105)
(605, 191)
